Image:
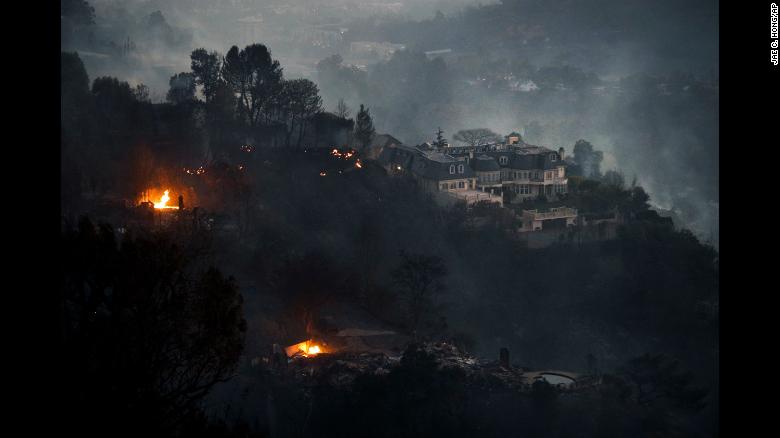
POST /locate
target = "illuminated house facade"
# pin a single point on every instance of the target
(529, 172)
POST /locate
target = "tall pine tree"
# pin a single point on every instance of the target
(364, 127)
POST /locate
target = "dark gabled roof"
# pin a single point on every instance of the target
(384, 140)
(484, 163)
(397, 155)
(528, 157)
(436, 166)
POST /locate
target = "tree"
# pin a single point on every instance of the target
(206, 68)
(79, 12)
(182, 88)
(440, 140)
(418, 278)
(588, 159)
(254, 76)
(614, 178)
(476, 137)
(657, 379)
(148, 328)
(75, 87)
(342, 110)
(141, 93)
(298, 100)
(364, 127)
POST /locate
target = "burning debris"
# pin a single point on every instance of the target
(163, 203)
(308, 348)
(307, 364)
(159, 202)
(349, 153)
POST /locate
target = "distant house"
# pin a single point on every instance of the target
(447, 178)
(526, 171)
(439, 172)
(379, 144)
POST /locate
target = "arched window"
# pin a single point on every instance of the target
(452, 169)
(503, 159)
(460, 168)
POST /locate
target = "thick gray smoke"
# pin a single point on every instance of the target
(637, 79)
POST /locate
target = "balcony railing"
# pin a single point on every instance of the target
(554, 213)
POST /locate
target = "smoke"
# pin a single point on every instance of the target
(637, 79)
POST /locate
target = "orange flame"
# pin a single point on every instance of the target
(305, 349)
(163, 203)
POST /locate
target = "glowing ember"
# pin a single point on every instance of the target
(314, 349)
(358, 164)
(323, 173)
(199, 171)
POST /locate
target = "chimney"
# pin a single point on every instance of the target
(560, 152)
(503, 357)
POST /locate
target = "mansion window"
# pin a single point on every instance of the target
(503, 160)
(552, 157)
(444, 186)
(452, 169)
(452, 186)
(460, 168)
(525, 189)
(461, 185)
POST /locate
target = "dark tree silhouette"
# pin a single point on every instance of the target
(418, 278)
(476, 137)
(182, 88)
(254, 76)
(206, 68)
(364, 127)
(299, 100)
(79, 11)
(440, 140)
(147, 331)
(588, 159)
(342, 110)
(657, 379)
